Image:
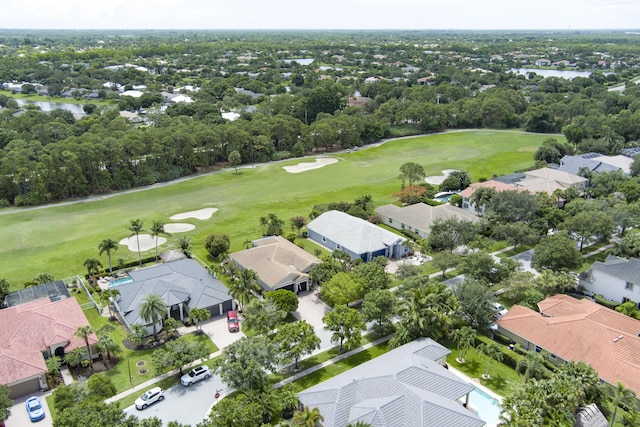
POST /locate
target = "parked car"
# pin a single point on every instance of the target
(232, 321)
(195, 375)
(150, 397)
(34, 408)
(501, 311)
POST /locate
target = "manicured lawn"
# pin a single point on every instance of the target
(58, 239)
(119, 373)
(42, 98)
(503, 379)
(339, 367)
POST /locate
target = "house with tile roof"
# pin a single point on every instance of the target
(337, 230)
(573, 330)
(418, 218)
(565, 179)
(616, 279)
(183, 284)
(278, 263)
(35, 330)
(467, 193)
(408, 386)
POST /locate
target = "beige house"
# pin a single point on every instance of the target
(573, 330)
(418, 218)
(548, 180)
(278, 263)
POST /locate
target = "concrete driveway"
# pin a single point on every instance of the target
(312, 309)
(217, 331)
(187, 405)
(19, 417)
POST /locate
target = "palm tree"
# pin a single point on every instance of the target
(106, 296)
(463, 337)
(75, 357)
(481, 197)
(359, 424)
(83, 332)
(108, 245)
(242, 287)
(266, 399)
(307, 417)
(53, 366)
(531, 366)
(185, 245)
(93, 268)
(157, 228)
(152, 309)
(135, 227)
(621, 395)
(137, 334)
(492, 351)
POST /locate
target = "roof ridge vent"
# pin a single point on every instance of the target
(620, 337)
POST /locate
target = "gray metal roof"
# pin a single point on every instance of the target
(355, 234)
(572, 164)
(397, 389)
(181, 281)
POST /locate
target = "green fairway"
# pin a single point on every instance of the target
(58, 239)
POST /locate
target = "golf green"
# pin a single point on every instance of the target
(56, 239)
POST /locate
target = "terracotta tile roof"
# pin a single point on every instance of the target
(29, 329)
(496, 185)
(581, 330)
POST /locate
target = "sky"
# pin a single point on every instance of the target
(323, 14)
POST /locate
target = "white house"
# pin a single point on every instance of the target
(616, 279)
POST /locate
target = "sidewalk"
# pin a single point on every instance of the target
(331, 361)
(138, 388)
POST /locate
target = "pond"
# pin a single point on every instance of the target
(565, 74)
(48, 106)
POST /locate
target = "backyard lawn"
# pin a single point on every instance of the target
(73, 231)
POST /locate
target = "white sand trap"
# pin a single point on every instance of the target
(147, 242)
(307, 166)
(179, 227)
(199, 214)
(437, 179)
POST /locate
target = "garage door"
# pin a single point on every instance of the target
(25, 388)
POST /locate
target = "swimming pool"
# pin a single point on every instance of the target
(120, 281)
(487, 407)
(444, 196)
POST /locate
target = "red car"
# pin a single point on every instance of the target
(232, 321)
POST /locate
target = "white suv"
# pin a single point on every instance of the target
(150, 397)
(195, 375)
(501, 311)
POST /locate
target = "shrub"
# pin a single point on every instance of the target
(607, 303)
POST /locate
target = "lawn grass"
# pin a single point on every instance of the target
(503, 378)
(74, 231)
(339, 367)
(128, 359)
(59, 99)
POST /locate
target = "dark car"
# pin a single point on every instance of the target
(232, 321)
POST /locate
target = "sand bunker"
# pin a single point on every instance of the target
(437, 179)
(199, 214)
(307, 166)
(178, 227)
(147, 242)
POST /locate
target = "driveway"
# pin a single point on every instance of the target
(19, 417)
(525, 259)
(217, 331)
(312, 309)
(187, 405)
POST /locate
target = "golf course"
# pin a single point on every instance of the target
(57, 239)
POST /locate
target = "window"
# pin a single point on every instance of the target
(390, 221)
(628, 286)
(552, 356)
(402, 226)
(538, 349)
(324, 239)
(338, 247)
